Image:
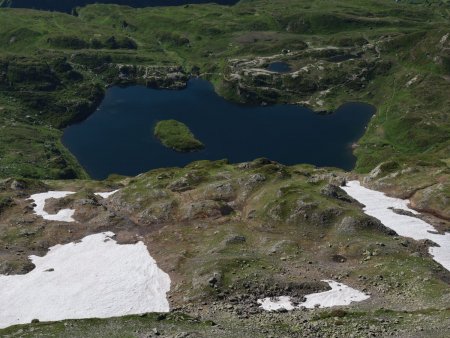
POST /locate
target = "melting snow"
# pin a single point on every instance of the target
(106, 194)
(340, 294)
(95, 277)
(63, 215)
(380, 206)
(277, 303)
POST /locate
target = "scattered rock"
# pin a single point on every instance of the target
(332, 191)
(235, 239)
(18, 185)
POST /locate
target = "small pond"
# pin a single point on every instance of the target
(118, 137)
(279, 67)
(343, 57)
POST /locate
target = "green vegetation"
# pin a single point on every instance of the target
(254, 225)
(114, 327)
(177, 324)
(177, 136)
(54, 67)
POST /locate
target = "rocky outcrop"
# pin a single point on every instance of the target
(427, 188)
(170, 77)
(350, 225)
(434, 200)
(333, 191)
(315, 73)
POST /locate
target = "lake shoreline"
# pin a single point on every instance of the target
(198, 103)
(72, 5)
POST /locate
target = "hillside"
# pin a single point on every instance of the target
(230, 234)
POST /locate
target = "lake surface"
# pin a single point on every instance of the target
(279, 67)
(118, 137)
(67, 5)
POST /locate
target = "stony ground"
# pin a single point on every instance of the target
(231, 234)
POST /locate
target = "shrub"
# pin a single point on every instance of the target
(67, 41)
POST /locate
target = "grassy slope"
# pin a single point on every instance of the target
(178, 324)
(412, 123)
(176, 135)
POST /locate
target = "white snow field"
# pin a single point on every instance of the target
(339, 295)
(92, 278)
(63, 215)
(378, 205)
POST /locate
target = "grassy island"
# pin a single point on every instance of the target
(177, 136)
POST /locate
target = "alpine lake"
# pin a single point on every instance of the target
(118, 137)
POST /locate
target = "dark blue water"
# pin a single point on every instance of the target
(118, 137)
(279, 67)
(68, 5)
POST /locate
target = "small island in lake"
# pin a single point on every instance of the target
(177, 136)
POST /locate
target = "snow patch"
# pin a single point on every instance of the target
(276, 303)
(378, 205)
(106, 194)
(95, 277)
(63, 215)
(339, 295)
